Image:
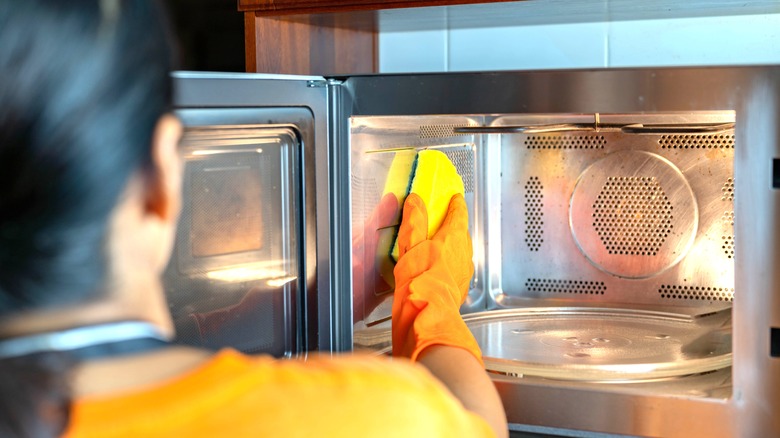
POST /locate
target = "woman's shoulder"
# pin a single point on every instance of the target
(242, 395)
(363, 370)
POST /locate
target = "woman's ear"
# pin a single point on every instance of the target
(163, 192)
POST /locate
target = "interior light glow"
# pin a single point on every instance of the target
(246, 273)
(279, 282)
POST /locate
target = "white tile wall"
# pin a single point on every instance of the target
(735, 40)
(415, 51)
(575, 45)
(731, 40)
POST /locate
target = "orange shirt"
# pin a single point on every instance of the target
(234, 395)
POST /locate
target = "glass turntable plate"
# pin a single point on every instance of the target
(594, 344)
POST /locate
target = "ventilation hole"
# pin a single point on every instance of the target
(368, 187)
(632, 216)
(581, 287)
(728, 246)
(440, 131)
(464, 164)
(565, 142)
(533, 214)
(728, 218)
(697, 141)
(728, 239)
(727, 192)
(699, 293)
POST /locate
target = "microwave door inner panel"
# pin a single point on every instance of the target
(234, 275)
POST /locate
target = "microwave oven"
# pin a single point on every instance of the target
(623, 220)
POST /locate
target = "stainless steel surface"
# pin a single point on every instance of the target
(613, 210)
(339, 104)
(651, 410)
(633, 214)
(375, 144)
(740, 401)
(633, 128)
(701, 282)
(609, 345)
(603, 209)
(530, 129)
(283, 100)
(676, 129)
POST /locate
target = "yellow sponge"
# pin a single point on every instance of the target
(435, 181)
(400, 174)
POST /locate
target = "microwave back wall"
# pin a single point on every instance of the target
(624, 229)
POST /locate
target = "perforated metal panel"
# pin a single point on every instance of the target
(632, 215)
(697, 141)
(700, 293)
(378, 147)
(440, 131)
(728, 190)
(728, 237)
(367, 185)
(627, 211)
(543, 286)
(463, 159)
(564, 141)
(534, 218)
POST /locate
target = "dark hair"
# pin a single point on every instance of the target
(82, 86)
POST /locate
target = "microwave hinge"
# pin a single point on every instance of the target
(317, 83)
(322, 83)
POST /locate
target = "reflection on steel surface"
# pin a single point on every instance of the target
(598, 344)
(633, 214)
(738, 401)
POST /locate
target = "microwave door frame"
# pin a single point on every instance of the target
(236, 91)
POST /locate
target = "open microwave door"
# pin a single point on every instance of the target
(244, 272)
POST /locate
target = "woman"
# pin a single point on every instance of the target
(90, 178)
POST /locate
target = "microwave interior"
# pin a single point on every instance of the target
(603, 243)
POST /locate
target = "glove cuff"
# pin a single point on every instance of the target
(420, 323)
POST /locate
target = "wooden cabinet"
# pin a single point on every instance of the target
(284, 7)
(317, 37)
(316, 44)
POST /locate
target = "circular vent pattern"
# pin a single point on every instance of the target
(632, 216)
(533, 213)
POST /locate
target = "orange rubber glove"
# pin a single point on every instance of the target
(432, 280)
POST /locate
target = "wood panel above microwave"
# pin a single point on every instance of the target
(315, 44)
(285, 7)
